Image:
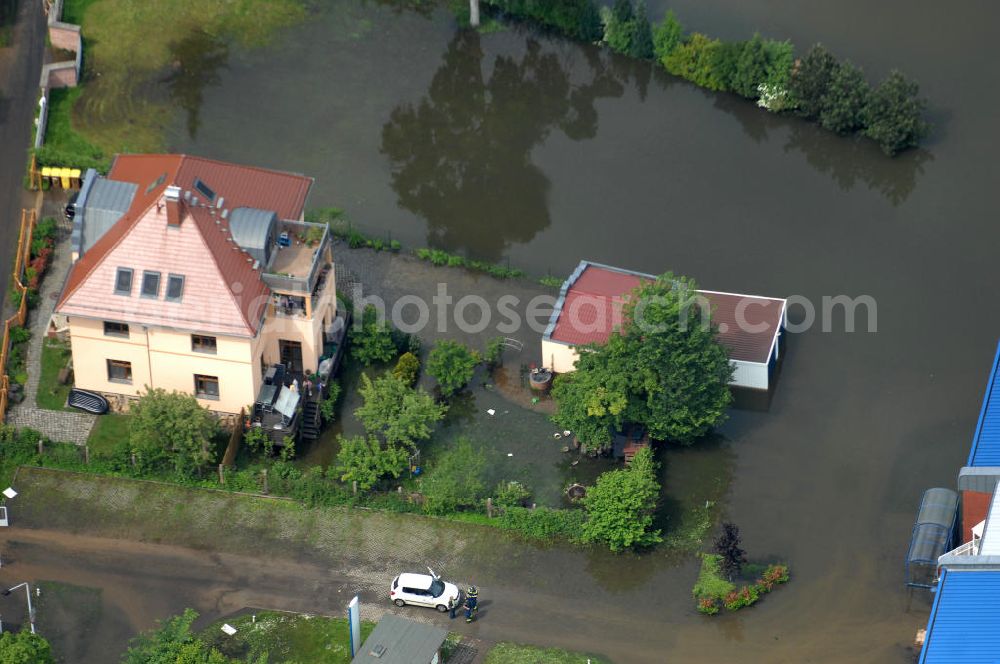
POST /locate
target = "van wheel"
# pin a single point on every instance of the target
(400, 602)
(442, 608)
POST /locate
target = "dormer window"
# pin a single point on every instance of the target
(175, 287)
(123, 281)
(151, 284)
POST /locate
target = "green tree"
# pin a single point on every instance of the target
(407, 368)
(679, 371)
(366, 460)
(372, 341)
(752, 68)
(893, 115)
(641, 40)
(697, 60)
(618, 32)
(397, 412)
(455, 480)
(24, 648)
(845, 100)
(511, 494)
(668, 35)
(452, 365)
(328, 406)
(622, 504)
(811, 79)
(172, 642)
(172, 426)
(665, 370)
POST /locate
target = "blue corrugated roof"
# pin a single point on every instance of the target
(986, 443)
(965, 620)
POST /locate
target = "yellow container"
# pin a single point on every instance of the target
(64, 177)
(46, 172)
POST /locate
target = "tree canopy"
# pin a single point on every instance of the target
(365, 460)
(664, 369)
(893, 116)
(396, 411)
(455, 480)
(172, 426)
(372, 342)
(172, 642)
(452, 365)
(622, 504)
(24, 648)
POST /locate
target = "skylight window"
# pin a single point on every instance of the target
(175, 287)
(156, 183)
(151, 284)
(123, 281)
(205, 190)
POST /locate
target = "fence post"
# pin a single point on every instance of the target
(267, 489)
(489, 508)
(354, 487)
(133, 460)
(86, 454)
(222, 474)
(41, 446)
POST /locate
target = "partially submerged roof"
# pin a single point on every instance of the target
(986, 440)
(396, 640)
(964, 624)
(222, 292)
(591, 301)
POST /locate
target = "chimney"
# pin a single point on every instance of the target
(175, 206)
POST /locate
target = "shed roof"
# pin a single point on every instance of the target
(591, 301)
(251, 228)
(964, 624)
(986, 441)
(404, 641)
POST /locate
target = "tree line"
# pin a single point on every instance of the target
(817, 86)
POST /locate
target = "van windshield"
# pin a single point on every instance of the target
(437, 588)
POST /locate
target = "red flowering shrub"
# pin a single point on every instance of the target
(708, 606)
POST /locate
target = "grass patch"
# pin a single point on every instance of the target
(512, 653)
(711, 584)
(51, 394)
(108, 431)
(64, 145)
(73, 11)
(285, 637)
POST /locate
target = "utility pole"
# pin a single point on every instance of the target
(474, 13)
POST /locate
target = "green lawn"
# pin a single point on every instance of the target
(51, 394)
(512, 653)
(73, 11)
(285, 637)
(108, 431)
(64, 145)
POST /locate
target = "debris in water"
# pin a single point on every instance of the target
(491, 411)
(228, 629)
(510, 454)
(557, 435)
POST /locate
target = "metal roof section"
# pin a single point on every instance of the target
(964, 624)
(108, 202)
(978, 478)
(986, 441)
(253, 230)
(396, 640)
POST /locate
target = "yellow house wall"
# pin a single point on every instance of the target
(173, 363)
(307, 331)
(558, 357)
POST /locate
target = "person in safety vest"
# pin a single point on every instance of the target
(471, 603)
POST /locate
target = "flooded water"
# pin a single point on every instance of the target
(515, 146)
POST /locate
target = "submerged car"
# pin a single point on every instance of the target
(424, 590)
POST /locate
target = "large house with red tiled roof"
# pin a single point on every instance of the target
(195, 275)
(590, 305)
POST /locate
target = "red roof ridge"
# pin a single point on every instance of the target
(261, 169)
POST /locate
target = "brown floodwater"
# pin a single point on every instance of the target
(521, 147)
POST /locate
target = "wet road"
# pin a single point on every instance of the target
(20, 68)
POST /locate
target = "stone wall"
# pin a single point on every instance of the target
(65, 36)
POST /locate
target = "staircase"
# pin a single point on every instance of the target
(312, 421)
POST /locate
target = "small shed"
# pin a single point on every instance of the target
(397, 640)
(933, 532)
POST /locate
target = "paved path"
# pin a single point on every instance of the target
(20, 69)
(64, 426)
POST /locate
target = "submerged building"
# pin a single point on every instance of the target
(590, 306)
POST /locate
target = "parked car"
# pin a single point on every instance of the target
(424, 590)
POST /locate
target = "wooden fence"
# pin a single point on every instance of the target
(28, 220)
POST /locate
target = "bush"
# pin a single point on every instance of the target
(494, 351)
(772, 576)
(737, 599)
(396, 411)
(455, 480)
(19, 335)
(711, 584)
(574, 18)
(811, 79)
(328, 406)
(549, 280)
(363, 459)
(708, 606)
(172, 426)
(407, 369)
(892, 116)
(697, 60)
(845, 100)
(510, 494)
(761, 62)
(452, 365)
(543, 523)
(620, 506)
(372, 341)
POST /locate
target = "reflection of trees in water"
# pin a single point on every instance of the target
(847, 161)
(461, 157)
(196, 60)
